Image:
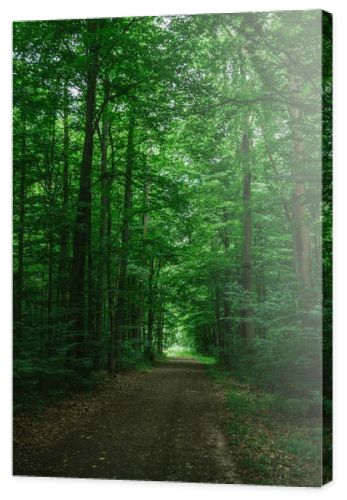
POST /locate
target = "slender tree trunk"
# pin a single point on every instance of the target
(50, 321)
(50, 243)
(226, 319)
(150, 316)
(118, 333)
(90, 309)
(102, 250)
(246, 276)
(160, 322)
(83, 218)
(110, 285)
(136, 309)
(219, 337)
(301, 234)
(18, 302)
(153, 278)
(260, 278)
(42, 315)
(64, 233)
(145, 226)
(226, 309)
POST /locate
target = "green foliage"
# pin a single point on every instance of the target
(133, 357)
(37, 381)
(168, 192)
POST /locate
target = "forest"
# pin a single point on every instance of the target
(167, 187)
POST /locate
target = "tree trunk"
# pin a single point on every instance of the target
(83, 218)
(150, 316)
(301, 235)
(109, 281)
(89, 319)
(227, 280)
(118, 333)
(102, 250)
(110, 324)
(152, 306)
(64, 233)
(246, 276)
(218, 331)
(145, 225)
(260, 278)
(50, 242)
(160, 322)
(18, 302)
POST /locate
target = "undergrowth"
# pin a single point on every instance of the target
(273, 439)
(37, 385)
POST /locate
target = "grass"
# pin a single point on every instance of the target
(273, 442)
(175, 352)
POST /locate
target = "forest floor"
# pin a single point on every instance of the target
(168, 424)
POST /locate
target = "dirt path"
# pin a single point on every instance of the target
(168, 427)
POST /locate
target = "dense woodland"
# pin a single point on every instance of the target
(168, 190)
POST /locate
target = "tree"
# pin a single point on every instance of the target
(81, 236)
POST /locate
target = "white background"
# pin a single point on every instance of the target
(39, 488)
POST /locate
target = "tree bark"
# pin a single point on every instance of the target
(109, 281)
(103, 246)
(153, 277)
(64, 233)
(18, 302)
(150, 316)
(50, 242)
(246, 276)
(119, 329)
(83, 217)
(160, 322)
(301, 234)
(219, 334)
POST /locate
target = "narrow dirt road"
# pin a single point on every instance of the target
(168, 427)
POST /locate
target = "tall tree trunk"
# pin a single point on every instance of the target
(218, 331)
(160, 322)
(226, 309)
(260, 278)
(118, 333)
(150, 315)
(110, 287)
(136, 313)
(153, 277)
(50, 242)
(89, 320)
(110, 325)
(246, 276)
(145, 224)
(18, 298)
(103, 247)
(301, 234)
(83, 218)
(109, 275)
(64, 233)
